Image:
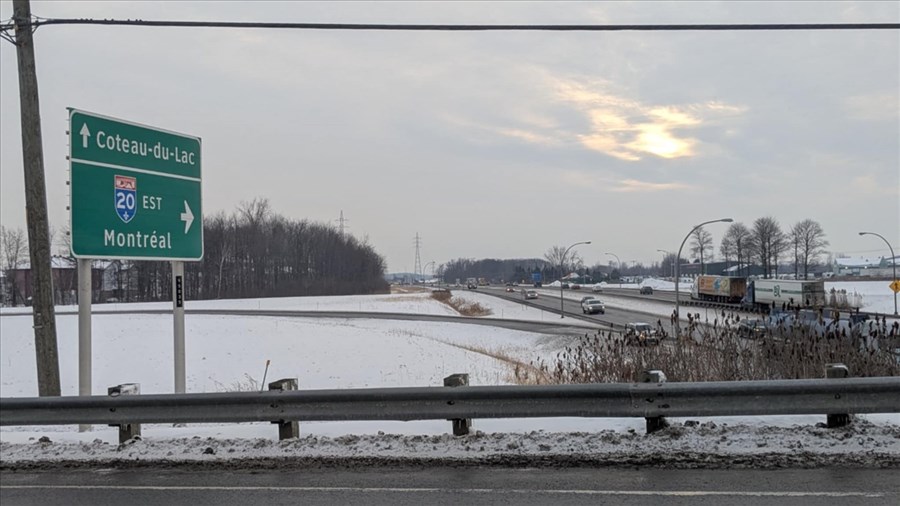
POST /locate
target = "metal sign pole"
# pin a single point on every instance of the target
(84, 331)
(178, 314)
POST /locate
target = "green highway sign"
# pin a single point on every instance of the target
(135, 190)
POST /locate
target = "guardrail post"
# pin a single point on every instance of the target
(461, 426)
(835, 371)
(654, 423)
(286, 429)
(126, 430)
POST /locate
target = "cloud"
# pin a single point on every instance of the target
(868, 184)
(527, 136)
(600, 183)
(629, 129)
(617, 125)
(875, 107)
(633, 185)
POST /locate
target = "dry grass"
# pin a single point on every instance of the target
(408, 289)
(461, 306)
(248, 384)
(714, 353)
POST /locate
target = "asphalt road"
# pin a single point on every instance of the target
(613, 318)
(451, 486)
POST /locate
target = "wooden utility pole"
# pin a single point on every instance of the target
(36, 207)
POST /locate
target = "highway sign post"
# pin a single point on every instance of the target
(135, 194)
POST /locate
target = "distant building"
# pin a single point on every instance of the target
(18, 289)
(865, 266)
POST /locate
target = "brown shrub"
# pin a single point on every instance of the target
(713, 353)
(461, 306)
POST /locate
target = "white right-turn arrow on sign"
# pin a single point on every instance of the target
(187, 217)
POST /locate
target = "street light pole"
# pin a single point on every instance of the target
(618, 264)
(678, 274)
(893, 264)
(562, 261)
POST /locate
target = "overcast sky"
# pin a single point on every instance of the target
(497, 144)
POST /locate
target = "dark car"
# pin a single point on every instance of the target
(646, 290)
(752, 328)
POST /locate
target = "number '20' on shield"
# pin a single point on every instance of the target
(126, 197)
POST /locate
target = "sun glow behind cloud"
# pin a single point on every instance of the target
(617, 125)
(629, 129)
(620, 127)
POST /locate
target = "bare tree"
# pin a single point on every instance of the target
(701, 245)
(558, 258)
(736, 243)
(63, 241)
(767, 242)
(808, 240)
(14, 249)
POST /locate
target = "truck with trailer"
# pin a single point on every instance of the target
(724, 289)
(760, 294)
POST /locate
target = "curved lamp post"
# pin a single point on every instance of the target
(678, 274)
(618, 265)
(562, 261)
(893, 263)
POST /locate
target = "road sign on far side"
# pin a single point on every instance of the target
(895, 286)
(135, 190)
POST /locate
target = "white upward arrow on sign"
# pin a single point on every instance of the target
(187, 217)
(84, 133)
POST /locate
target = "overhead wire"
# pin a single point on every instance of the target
(470, 27)
(8, 27)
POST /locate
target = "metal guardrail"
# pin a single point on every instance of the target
(747, 398)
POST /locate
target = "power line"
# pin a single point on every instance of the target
(36, 22)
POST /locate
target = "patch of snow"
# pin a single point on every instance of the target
(229, 353)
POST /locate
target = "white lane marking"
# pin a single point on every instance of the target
(665, 493)
(133, 169)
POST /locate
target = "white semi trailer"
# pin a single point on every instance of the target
(775, 293)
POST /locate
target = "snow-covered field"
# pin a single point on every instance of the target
(229, 353)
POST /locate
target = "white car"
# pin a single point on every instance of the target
(597, 288)
(530, 294)
(592, 306)
(641, 334)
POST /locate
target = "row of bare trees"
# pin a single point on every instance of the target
(765, 243)
(256, 253)
(252, 252)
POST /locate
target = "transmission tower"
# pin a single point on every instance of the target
(341, 222)
(417, 270)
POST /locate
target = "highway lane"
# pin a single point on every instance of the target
(543, 327)
(296, 483)
(614, 318)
